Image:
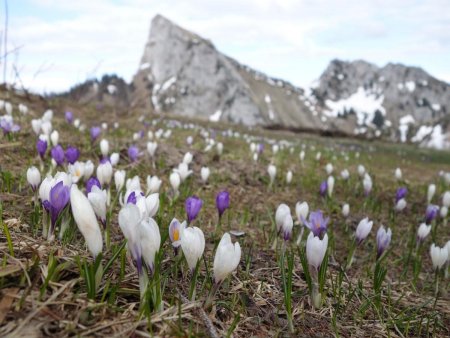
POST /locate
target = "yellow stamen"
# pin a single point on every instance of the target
(176, 235)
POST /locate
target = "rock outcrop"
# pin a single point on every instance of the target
(182, 73)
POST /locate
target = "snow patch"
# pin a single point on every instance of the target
(144, 66)
(410, 85)
(423, 132)
(166, 85)
(216, 116)
(436, 107)
(363, 103)
(111, 89)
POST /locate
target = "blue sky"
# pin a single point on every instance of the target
(65, 42)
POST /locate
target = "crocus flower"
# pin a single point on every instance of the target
(175, 229)
(204, 173)
(41, 146)
(383, 240)
(446, 199)
(280, 214)
(129, 219)
(345, 174)
(430, 192)
(323, 188)
(104, 147)
(272, 170)
(54, 137)
(72, 154)
(76, 171)
(345, 210)
(133, 153)
(86, 221)
(439, 256)
(193, 205)
(33, 177)
(288, 224)
(316, 249)
(398, 174)
(152, 204)
(317, 223)
(114, 159)
(219, 148)
(69, 117)
(222, 202)
(88, 169)
(422, 232)
(98, 198)
(8, 125)
(151, 148)
(36, 125)
(329, 168)
(289, 177)
(363, 230)
(91, 182)
(57, 153)
(150, 240)
(193, 245)
(175, 181)
(260, 148)
(361, 170)
(330, 185)
(400, 205)
(183, 171)
(401, 194)
(226, 259)
(302, 211)
(59, 197)
(95, 133)
(367, 183)
(119, 179)
(153, 184)
(431, 213)
(188, 157)
(104, 172)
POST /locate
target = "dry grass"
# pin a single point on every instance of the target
(250, 303)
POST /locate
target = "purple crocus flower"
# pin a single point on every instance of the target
(91, 182)
(57, 153)
(431, 213)
(133, 153)
(8, 125)
(72, 154)
(95, 133)
(222, 202)
(41, 146)
(59, 197)
(260, 148)
(193, 205)
(383, 240)
(317, 223)
(323, 188)
(132, 198)
(401, 193)
(69, 117)
(105, 159)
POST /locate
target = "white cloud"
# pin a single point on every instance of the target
(289, 39)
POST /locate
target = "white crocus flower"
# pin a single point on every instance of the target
(193, 245)
(98, 198)
(226, 259)
(84, 217)
(204, 173)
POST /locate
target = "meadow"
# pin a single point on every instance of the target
(275, 243)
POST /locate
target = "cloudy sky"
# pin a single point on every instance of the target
(56, 44)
